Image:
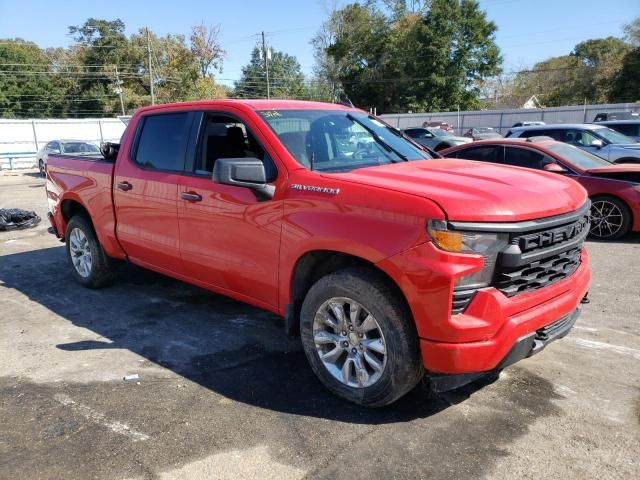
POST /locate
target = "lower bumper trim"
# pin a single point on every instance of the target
(526, 346)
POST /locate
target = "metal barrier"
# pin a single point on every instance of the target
(503, 120)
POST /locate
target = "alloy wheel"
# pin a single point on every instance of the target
(606, 219)
(80, 252)
(349, 342)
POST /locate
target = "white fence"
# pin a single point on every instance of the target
(502, 120)
(21, 139)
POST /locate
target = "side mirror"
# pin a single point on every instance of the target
(243, 172)
(597, 143)
(109, 151)
(555, 168)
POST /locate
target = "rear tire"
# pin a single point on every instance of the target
(610, 218)
(41, 167)
(366, 336)
(89, 264)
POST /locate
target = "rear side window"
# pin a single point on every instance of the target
(522, 157)
(162, 142)
(482, 154)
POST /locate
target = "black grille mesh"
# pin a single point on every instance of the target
(537, 274)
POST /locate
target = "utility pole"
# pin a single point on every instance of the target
(153, 97)
(266, 63)
(119, 90)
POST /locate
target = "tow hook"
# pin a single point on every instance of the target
(585, 299)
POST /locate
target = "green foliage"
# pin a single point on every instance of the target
(24, 90)
(286, 79)
(423, 56)
(604, 70)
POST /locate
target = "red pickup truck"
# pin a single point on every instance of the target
(388, 263)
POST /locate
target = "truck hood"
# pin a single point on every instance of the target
(477, 191)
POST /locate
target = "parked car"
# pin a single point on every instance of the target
(602, 117)
(482, 133)
(434, 138)
(438, 124)
(630, 128)
(527, 124)
(387, 263)
(67, 147)
(614, 189)
(594, 138)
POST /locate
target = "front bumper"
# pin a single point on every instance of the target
(489, 354)
(526, 346)
(480, 338)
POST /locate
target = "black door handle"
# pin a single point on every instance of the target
(126, 186)
(192, 197)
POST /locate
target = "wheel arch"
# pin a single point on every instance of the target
(315, 264)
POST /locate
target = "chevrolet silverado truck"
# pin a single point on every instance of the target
(389, 264)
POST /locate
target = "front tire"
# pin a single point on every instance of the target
(89, 264)
(359, 338)
(41, 167)
(610, 218)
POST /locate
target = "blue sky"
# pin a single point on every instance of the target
(528, 30)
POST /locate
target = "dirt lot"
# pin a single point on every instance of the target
(224, 394)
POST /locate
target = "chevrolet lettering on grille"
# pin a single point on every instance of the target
(551, 237)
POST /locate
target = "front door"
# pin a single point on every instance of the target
(229, 238)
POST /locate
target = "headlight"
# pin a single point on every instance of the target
(489, 245)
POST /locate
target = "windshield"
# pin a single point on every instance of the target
(578, 157)
(340, 140)
(612, 136)
(79, 147)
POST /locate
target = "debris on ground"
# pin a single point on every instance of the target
(16, 218)
(131, 378)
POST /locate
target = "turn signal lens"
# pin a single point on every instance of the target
(447, 240)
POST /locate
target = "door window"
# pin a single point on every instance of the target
(579, 138)
(523, 157)
(162, 142)
(482, 154)
(226, 137)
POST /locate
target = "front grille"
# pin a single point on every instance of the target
(538, 274)
(540, 252)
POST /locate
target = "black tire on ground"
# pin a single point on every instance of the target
(41, 167)
(403, 370)
(603, 231)
(102, 271)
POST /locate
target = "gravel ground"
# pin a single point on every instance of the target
(224, 394)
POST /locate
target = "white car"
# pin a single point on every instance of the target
(66, 147)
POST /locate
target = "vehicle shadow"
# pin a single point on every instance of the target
(226, 346)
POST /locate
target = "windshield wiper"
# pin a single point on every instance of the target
(377, 138)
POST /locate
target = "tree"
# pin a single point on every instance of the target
(206, 48)
(286, 79)
(418, 55)
(626, 87)
(27, 89)
(105, 47)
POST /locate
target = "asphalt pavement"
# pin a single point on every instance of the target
(222, 393)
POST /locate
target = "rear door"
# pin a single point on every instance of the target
(146, 188)
(230, 238)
